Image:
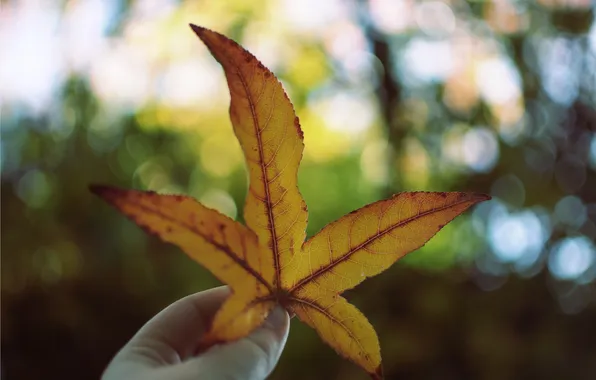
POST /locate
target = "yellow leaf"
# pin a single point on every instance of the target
(225, 247)
(267, 262)
(270, 136)
(367, 241)
(343, 327)
(238, 314)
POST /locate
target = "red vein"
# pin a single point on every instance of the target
(223, 248)
(272, 108)
(289, 229)
(287, 161)
(313, 305)
(319, 272)
(271, 220)
(281, 198)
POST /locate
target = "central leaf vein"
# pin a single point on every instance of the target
(270, 216)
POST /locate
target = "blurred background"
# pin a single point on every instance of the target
(393, 95)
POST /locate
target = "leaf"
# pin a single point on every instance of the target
(343, 327)
(270, 136)
(267, 262)
(338, 257)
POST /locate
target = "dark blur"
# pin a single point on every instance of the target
(393, 95)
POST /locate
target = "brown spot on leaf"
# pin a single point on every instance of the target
(147, 229)
(298, 129)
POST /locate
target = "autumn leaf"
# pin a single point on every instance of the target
(268, 261)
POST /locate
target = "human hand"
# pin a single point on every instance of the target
(163, 348)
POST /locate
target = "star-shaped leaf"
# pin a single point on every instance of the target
(268, 261)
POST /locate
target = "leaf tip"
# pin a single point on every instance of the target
(98, 190)
(378, 374)
(480, 197)
(106, 192)
(197, 29)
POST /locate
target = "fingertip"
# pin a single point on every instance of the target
(253, 357)
(179, 327)
(278, 321)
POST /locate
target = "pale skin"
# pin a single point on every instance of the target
(163, 348)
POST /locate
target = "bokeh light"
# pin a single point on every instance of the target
(571, 258)
(425, 61)
(498, 81)
(516, 236)
(28, 33)
(593, 152)
(571, 211)
(480, 149)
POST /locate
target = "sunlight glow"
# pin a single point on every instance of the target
(480, 149)
(350, 113)
(517, 236)
(426, 60)
(593, 152)
(435, 18)
(391, 16)
(121, 76)
(571, 257)
(310, 16)
(560, 68)
(31, 67)
(592, 37)
(498, 81)
(93, 17)
(191, 83)
(345, 39)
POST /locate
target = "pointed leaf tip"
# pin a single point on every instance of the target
(480, 197)
(197, 29)
(98, 189)
(378, 374)
(105, 191)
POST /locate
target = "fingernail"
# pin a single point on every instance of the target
(278, 317)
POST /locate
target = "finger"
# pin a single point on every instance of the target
(172, 335)
(253, 357)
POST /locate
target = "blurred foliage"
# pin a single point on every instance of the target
(490, 96)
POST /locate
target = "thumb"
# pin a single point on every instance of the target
(253, 357)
